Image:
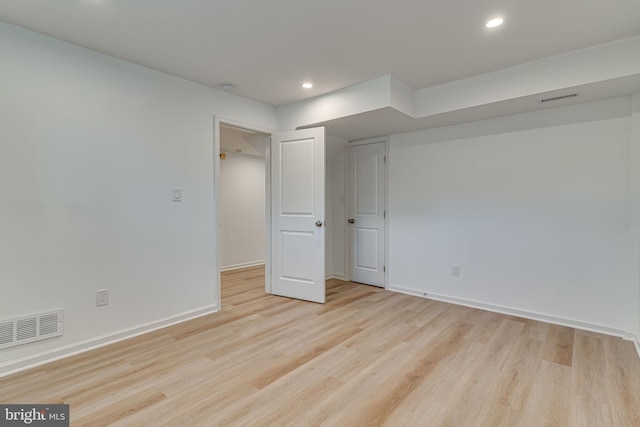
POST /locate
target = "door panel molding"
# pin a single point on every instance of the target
(369, 264)
(298, 214)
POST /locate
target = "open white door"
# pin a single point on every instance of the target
(297, 218)
(367, 182)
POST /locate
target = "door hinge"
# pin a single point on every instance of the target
(385, 159)
(384, 215)
(384, 269)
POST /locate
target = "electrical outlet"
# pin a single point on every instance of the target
(455, 270)
(102, 297)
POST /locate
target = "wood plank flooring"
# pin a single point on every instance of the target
(366, 358)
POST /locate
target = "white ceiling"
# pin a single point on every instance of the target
(268, 48)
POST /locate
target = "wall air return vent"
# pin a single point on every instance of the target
(6, 333)
(558, 98)
(25, 329)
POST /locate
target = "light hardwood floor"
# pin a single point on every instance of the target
(368, 357)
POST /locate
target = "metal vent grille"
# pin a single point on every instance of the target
(559, 97)
(6, 332)
(49, 324)
(26, 329)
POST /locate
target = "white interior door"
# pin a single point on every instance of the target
(297, 219)
(367, 178)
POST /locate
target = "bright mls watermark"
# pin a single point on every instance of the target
(34, 415)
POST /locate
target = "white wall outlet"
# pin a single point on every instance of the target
(176, 194)
(102, 297)
(455, 270)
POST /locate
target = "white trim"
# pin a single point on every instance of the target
(267, 193)
(216, 209)
(407, 291)
(375, 140)
(634, 241)
(633, 301)
(556, 320)
(63, 352)
(242, 265)
(386, 210)
(336, 276)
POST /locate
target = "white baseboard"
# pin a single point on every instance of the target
(32, 361)
(241, 265)
(636, 341)
(336, 276)
(577, 324)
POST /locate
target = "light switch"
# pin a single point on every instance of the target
(102, 297)
(177, 194)
(455, 270)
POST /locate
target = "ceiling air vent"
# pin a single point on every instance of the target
(26, 329)
(558, 98)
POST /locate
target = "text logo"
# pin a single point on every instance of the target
(34, 415)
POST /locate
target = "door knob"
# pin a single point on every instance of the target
(352, 221)
(318, 223)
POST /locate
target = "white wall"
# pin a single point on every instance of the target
(537, 217)
(242, 210)
(90, 147)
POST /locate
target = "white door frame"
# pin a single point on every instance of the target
(355, 143)
(217, 121)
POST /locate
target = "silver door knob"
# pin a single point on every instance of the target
(352, 221)
(318, 223)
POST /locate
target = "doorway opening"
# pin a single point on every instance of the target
(233, 232)
(242, 204)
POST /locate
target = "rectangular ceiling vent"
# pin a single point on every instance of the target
(558, 98)
(25, 329)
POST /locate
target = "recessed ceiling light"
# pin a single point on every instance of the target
(307, 85)
(495, 22)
